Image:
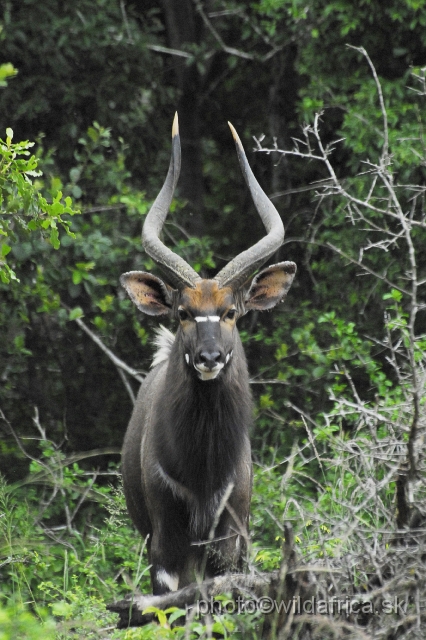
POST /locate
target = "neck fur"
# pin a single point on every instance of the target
(202, 427)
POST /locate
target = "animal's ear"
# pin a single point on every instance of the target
(270, 286)
(150, 294)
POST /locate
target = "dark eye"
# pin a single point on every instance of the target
(231, 314)
(183, 315)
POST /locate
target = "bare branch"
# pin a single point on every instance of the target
(172, 52)
(114, 359)
(385, 153)
(217, 37)
(126, 384)
(368, 269)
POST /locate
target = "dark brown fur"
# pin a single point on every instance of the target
(198, 432)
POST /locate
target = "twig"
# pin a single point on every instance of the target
(385, 152)
(126, 384)
(116, 361)
(363, 266)
(224, 47)
(172, 52)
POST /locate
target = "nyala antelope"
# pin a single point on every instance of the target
(187, 469)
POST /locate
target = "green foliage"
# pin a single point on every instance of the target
(23, 209)
(337, 373)
(16, 622)
(7, 70)
(84, 63)
(340, 470)
(71, 577)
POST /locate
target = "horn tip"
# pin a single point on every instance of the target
(234, 133)
(175, 127)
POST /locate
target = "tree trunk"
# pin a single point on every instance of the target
(183, 28)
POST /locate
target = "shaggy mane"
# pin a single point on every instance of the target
(163, 340)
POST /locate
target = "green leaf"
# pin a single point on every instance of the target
(393, 295)
(175, 614)
(75, 313)
(76, 191)
(161, 616)
(7, 70)
(77, 277)
(5, 249)
(54, 238)
(56, 208)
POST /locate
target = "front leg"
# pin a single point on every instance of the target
(170, 548)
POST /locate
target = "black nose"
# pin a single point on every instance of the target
(210, 358)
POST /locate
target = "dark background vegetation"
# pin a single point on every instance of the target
(97, 86)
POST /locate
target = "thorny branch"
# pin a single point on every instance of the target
(385, 151)
(387, 216)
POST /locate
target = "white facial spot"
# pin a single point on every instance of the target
(170, 580)
(228, 357)
(187, 358)
(207, 319)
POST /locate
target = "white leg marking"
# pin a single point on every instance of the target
(168, 579)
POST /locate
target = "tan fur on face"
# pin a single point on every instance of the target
(207, 299)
